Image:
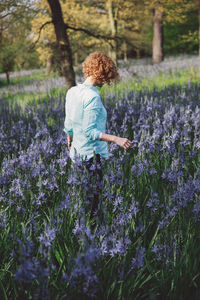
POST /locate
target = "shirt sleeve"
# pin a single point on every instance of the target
(91, 113)
(67, 123)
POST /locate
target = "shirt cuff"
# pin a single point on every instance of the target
(68, 131)
(100, 135)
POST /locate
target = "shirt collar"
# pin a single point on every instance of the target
(90, 86)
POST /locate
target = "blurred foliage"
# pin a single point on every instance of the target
(90, 28)
(17, 51)
(182, 37)
(133, 25)
(77, 14)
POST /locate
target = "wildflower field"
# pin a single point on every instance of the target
(146, 244)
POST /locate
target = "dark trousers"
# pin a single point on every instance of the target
(95, 182)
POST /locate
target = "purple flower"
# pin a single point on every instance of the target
(133, 210)
(196, 208)
(28, 271)
(48, 237)
(140, 228)
(138, 261)
(65, 204)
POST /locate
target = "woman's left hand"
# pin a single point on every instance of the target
(69, 141)
(123, 142)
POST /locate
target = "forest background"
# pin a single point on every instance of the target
(58, 35)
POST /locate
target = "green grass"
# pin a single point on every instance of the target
(135, 84)
(39, 75)
(160, 81)
(24, 99)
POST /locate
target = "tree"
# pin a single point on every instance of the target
(15, 49)
(117, 34)
(113, 18)
(187, 9)
(157, 8)
(158, 38)
(7, 59)
(197, 2)
(182, 36)
(170, 11)
(61, 33)
(63, 43)
(119, 27)
(125, 24)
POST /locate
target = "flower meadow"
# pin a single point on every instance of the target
(146, 241)
(137, 69)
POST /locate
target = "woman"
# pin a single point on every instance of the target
(85, 121)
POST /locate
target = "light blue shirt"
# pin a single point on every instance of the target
(85, 120)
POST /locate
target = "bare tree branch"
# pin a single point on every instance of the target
(90, 33)
(39, 33)
(99, 36)
(4, 16)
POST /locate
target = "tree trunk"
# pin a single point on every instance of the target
(124, 48)
(113, 26)
(76, 58)
(63, 43)
(157, 49)
(8, 77)
(49, 66)
(138, 53)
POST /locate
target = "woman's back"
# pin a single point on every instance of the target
(85, 120)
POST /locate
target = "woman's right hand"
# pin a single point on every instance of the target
(123, 142)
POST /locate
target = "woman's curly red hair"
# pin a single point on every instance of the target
(100, 67)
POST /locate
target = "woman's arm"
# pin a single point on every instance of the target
(122, 142)
(91, 112)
